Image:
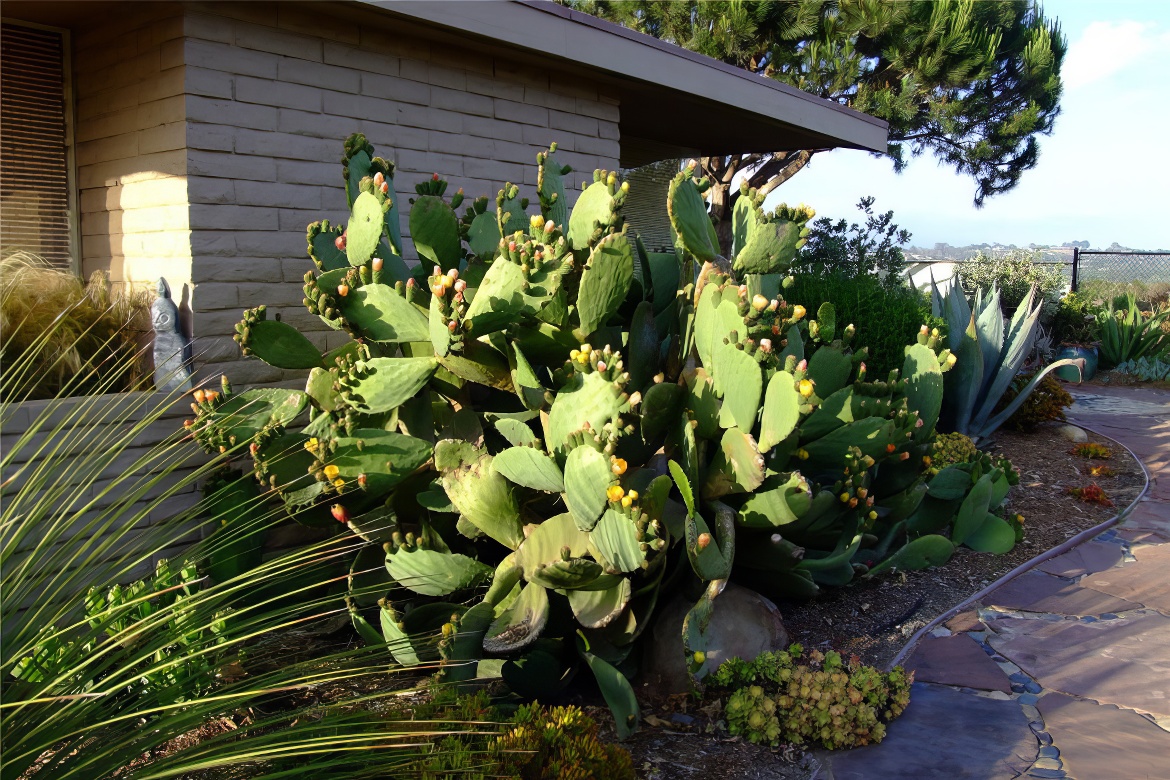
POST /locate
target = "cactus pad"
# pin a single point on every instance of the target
(605, 282)
(433, 573)
(587, 475)
(531, 468)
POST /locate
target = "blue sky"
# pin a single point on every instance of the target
(1103, 174)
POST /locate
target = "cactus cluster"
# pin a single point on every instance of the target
(959, 508)
(825, 699)
(541, 426)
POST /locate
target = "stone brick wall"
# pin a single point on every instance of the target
(271, 92)
(130, 132)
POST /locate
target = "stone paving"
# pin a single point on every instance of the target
(1064, 671)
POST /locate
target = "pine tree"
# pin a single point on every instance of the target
(974, 82)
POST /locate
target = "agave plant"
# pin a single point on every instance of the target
(990, 353)
(1128, 334)
(107, 661)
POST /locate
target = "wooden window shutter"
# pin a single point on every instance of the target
(35, 195)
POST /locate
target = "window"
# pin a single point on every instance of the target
(37, 197)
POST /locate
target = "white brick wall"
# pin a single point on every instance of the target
(271, 93)
(131, 139)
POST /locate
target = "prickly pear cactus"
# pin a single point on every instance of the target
(540, 424)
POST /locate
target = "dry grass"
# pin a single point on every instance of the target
(84, 326)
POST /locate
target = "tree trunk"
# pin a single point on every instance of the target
(764, 173)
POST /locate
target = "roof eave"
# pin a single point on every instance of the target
(670, 96)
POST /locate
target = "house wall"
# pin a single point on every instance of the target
(130, 131)
(271, 93)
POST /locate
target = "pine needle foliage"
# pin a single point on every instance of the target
(974, 83)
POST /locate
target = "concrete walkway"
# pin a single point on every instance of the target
(1064, 672)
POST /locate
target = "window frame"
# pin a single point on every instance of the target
(73, 194)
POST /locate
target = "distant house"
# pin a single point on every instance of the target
(194, 141)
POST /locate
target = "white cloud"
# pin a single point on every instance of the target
(1107, 48)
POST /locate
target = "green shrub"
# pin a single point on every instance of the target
(887, 316)
(1075, 320)
(854, 250)
(89, 327)
(1046, 403)
(1015, 274)
(828, 700)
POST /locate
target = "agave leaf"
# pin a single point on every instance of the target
(993, 424)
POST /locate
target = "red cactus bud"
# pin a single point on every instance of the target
(410, 283)
(703, 540)
(188, 423)
(253, 448)
(339, 513)
(460, 285)
(377, 263)
(385, 188)
(362, 481)
(451, 326)
(434, 177)
(378, 178)
(343, 290)
(339, 242)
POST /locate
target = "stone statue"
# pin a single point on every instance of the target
(170, 347)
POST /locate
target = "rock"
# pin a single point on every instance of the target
(1073, 433)
(744, 624)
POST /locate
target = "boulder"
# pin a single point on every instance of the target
(744, 624)
(1073, 433)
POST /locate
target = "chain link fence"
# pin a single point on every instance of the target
(1107, 275)
(1100, 274)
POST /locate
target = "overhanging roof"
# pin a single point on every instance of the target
(673, 102)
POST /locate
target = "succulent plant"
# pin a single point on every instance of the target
(951, 449)
(822, 698)
(541, 426)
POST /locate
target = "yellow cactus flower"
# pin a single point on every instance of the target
(338, 483)
(633, 494)
(627, 502)
(332, 471)
(806, 387)
(798, 312)
(311, 444)
(617, 466)
(615, 493)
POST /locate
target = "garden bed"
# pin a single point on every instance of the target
(875, 618)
